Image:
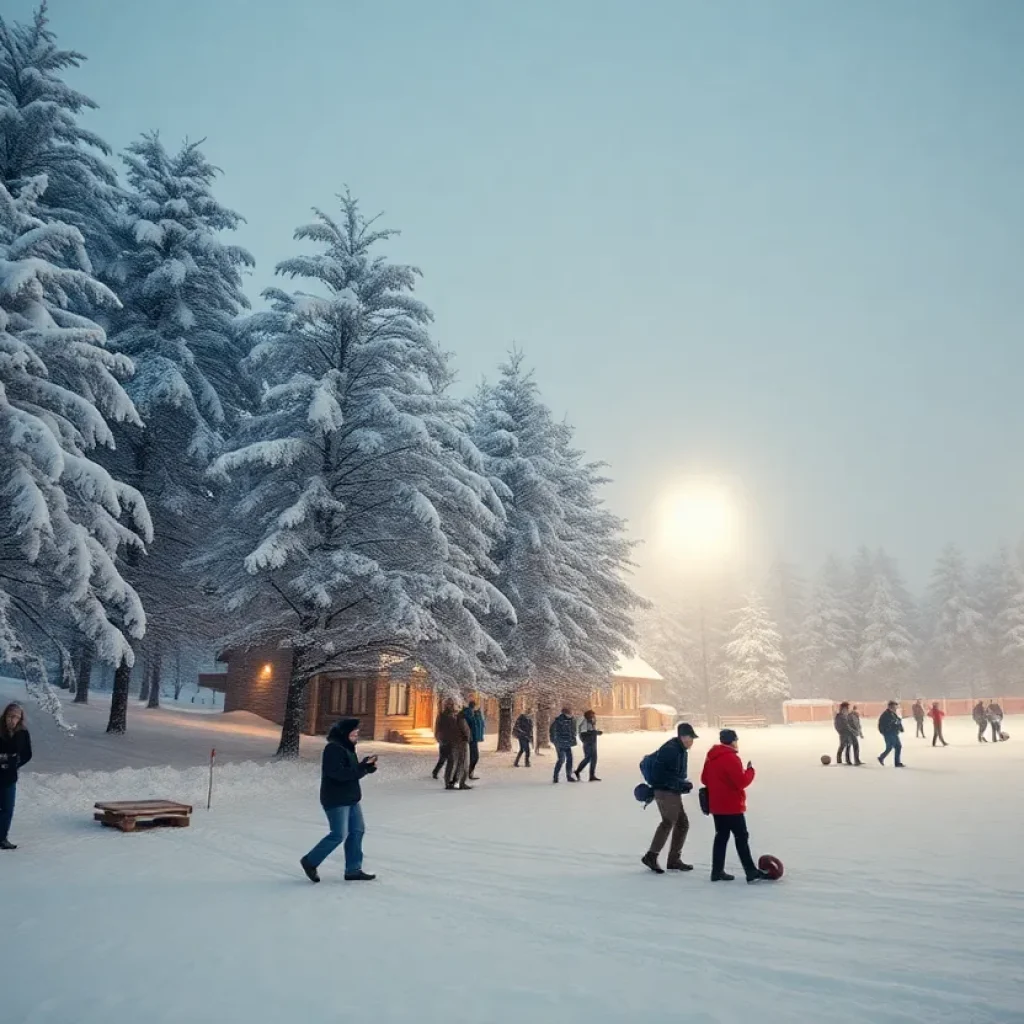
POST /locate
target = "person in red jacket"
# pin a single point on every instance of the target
(726, 780)
(936, 714)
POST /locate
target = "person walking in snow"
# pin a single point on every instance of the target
(340, 797)
(936, 714)
(523, 732)
(890, 725)
(857, 728)
(848, 741)
(588, 737)
(980, 720)
(477, 729)
(917, 708)
(669, 782)
(452, 731)
(444, 749)
(994, 714)
(727, 780)
(15, 753)
(563, 738)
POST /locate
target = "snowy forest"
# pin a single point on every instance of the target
(852, 631)
(187, 469)
(182, 474)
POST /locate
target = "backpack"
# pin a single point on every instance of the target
(647, 768)
(644, 793)
(705, 801)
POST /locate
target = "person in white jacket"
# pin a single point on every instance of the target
(588, 737)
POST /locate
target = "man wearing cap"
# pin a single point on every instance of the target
(669, 782)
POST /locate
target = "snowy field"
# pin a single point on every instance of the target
(519, 901)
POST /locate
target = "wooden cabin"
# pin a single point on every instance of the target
(391, 702)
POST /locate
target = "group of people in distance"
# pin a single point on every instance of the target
(725, 780)
(990, 717)
(459, 735)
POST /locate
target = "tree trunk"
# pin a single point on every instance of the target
(119, 699)
(84, 674)
(144, 685)
(154, 678)
(505, 724)
(543, 724)
(177, 674)
(294, 711)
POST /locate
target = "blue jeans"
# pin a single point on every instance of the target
(7, 794)
(564, 757)
(346, 827)
(892, 742)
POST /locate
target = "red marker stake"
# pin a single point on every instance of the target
(209, 792)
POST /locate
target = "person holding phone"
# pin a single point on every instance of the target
(340, 797)
(727, 780)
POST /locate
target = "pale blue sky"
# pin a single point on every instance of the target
(779, 241)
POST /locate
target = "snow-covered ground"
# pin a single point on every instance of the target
(519, 901)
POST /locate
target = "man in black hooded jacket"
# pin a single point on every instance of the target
(340, 795)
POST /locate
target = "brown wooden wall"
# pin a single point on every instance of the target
(257, 681)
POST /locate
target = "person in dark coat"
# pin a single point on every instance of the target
(669, 782)
(452, 732)
(15, 753)
(477, 729)
(588, 737)
(444, 750)
(523, 732)
(917, 708)
(727, 780)
(340, 796)
(562, 734)
(994, 714)
(980, 720)
(858, 729)
(848, 741)
(890, 725)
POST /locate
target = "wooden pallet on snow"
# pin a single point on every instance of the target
(133, 814)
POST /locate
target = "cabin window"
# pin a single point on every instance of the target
(398, 699)
(347, 697)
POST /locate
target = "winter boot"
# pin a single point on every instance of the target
(650, 860)
(758, 876)
(722, 876)
(7, 845)
(450, 785)
(594, 778)
(678, 865)
(577, 774)
(465, 787)
(572, 778)
(359, 876)
(311, 872)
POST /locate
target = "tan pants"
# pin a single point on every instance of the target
(674, 822)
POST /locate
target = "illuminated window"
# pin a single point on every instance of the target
(398, 699)
(347, 697)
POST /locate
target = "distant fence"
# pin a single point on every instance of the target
(794, 714)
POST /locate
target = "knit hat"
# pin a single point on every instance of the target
(727, 737)
(685, 729)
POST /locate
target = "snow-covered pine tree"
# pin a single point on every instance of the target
(998, 582)
(361, 513)
(828, 639)
(180, 286)
(667, 637)
(956, 635)
(64, 520)
(786, 600)
(755, 665)
(40, 134)
(561, 556)
(887, 655)
(1009, 628)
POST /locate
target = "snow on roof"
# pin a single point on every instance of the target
(663, 709)
(817, 702)
(635, 668)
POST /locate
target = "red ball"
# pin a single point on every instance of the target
(771, 866)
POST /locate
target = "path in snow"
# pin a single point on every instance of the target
(525, 901)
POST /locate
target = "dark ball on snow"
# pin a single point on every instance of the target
(825, 759)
